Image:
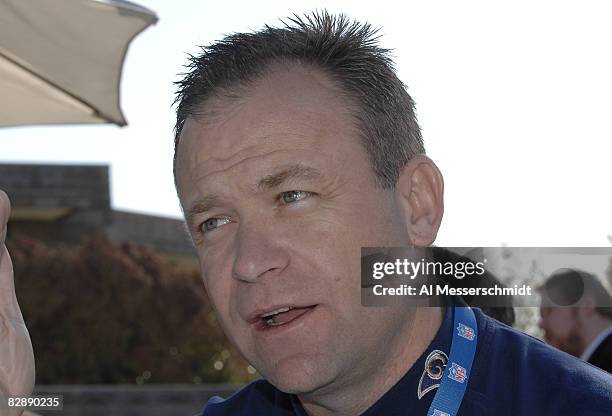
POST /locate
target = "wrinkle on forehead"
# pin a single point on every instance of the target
(213, 170)
(223, 141)
(242, 174)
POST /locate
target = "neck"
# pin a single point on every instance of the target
(398, 357)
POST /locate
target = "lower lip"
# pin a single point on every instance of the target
(262, 327)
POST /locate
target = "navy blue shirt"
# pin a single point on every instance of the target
(513, 374)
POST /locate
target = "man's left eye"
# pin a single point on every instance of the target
(293, 196)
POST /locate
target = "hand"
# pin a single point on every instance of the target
(16, 355)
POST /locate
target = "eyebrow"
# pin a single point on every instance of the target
(268, 182)
(200, 206)
(293, 172)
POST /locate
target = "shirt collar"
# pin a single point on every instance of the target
(586, 355)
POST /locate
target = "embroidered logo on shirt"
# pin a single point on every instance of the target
(457, 373)
(466, 332)
(437, 412)
(435, 363)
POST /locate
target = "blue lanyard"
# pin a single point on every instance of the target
(450, 394)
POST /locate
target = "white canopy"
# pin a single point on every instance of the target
(61, 60)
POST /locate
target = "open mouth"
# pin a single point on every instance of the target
(282, 316)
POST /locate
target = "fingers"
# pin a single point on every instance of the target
(8, 298)
(5, 212)
(7, 287)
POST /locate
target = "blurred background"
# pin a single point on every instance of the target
(513, 100)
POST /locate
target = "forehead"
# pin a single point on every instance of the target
(293, 114)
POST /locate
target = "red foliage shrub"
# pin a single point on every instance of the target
(106, 313)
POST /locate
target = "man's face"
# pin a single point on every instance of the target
(561, 328)
(279, 197)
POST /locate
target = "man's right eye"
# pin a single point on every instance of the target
(213, 223)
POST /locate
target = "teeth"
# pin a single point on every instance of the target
(275, 312)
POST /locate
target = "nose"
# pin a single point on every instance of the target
(258, 252)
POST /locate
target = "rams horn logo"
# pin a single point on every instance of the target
(435, 363)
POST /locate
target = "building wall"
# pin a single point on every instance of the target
(67, 203)
(79, 186)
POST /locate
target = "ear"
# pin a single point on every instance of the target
(420, 190)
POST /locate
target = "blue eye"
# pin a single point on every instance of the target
(213, 223)
(293, 196)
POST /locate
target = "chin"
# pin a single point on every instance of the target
(298, 375)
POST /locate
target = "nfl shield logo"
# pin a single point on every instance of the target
(466, 332)
(457, 373)
(437, 412)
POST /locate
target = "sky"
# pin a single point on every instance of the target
(514, 100)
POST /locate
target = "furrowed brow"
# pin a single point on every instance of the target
(294, 172)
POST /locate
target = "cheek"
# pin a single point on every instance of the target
(218, 285)
(218, 296)
(559, 324)
(332, 240)
(334, 261)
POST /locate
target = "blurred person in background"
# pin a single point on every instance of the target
(576, 316)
